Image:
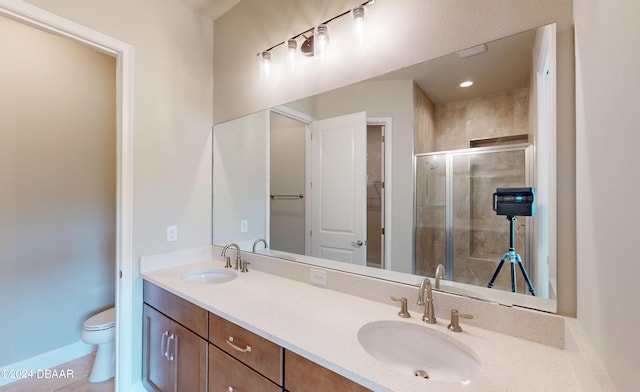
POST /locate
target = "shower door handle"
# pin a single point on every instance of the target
(357, 244)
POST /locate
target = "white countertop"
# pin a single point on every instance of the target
(322, 325)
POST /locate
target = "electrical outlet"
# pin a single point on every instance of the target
(244, 226)
(318, 277)
(172, 233)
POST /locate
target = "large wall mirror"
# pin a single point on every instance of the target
(394, 177)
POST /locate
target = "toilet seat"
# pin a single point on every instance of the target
(101, 321)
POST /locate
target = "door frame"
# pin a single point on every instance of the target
(124, 273)
(387, 123)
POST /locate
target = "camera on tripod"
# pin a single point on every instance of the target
(515, 201)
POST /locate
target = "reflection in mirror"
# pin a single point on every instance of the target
(394, 176)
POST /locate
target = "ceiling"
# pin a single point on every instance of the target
(505, 66)
(213, 9)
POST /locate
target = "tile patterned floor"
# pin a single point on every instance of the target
(79, 369)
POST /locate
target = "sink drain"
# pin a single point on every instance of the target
(421, 373)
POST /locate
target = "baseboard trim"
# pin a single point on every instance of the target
(44, 361)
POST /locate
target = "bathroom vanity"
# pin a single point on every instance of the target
(187, 348)
(262, 331)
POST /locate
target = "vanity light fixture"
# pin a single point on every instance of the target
(316, 38)
(466, 83)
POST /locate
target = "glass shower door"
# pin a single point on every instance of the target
(431, 203)
(455, 224)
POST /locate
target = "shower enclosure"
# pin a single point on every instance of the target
(454, 218)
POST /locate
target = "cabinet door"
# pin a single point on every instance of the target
(175, 359)
(302, 375)
(156, 368)
(188, 356)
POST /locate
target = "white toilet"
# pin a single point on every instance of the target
(101, 331)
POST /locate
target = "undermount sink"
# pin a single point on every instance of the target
(419, 351)
(209, 276)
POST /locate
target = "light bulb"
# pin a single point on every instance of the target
(358, 22)
(265, 63)
(358, 15)
(321, 39)
(292, 46)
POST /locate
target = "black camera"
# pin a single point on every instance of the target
(515, 201)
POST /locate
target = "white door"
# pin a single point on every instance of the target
(339, 188)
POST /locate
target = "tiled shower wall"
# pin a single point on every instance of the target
(500, 114)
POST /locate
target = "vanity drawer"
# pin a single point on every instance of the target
(258, 353)
(228, 374)
(303, 375)
(184, 312)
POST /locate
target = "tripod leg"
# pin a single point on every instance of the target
(495, 274)
(514, 285)
(526, 276)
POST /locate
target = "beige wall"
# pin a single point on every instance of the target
(424, 116)
(607, 81)
(172, 118)
(255, 25)
(495, 115)
(58, 198)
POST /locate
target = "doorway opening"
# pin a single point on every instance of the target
(125, 272)
(375, 195)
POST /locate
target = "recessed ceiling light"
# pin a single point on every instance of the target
(466, 83)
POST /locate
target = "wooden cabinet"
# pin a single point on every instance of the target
(303, 375)
(241, 359)
(188, 349)
(174, 357)
(228, 374)
(263, 356)
(184, 312)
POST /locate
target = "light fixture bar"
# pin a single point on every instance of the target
(311, 30)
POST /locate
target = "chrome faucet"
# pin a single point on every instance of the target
(439, 274)
(238, 258)
(429, 316)
(258, 241)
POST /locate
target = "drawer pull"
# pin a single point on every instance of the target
(169, 340)
(242, 350)
(163, 344)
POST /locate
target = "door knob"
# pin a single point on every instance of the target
(357, 244)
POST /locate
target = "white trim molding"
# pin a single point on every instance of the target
(49, 22)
